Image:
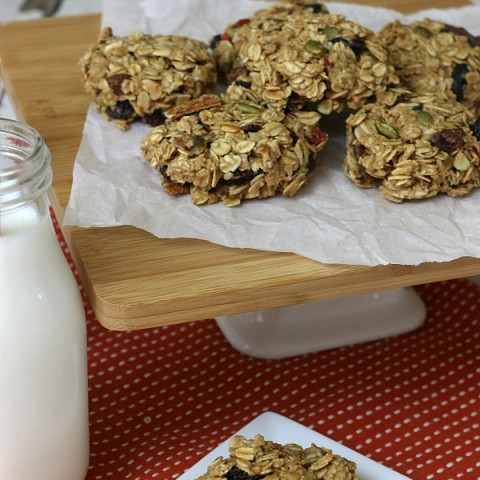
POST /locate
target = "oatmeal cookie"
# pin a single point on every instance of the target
(223, 149)
(259, 458)
(431, 56)
(138, 76)
(225, 46)
(311, 60)
(420, 147)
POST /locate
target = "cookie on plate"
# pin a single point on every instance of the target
(432, 56)
(138, 76)
(421, 147)
(257, 458)
(219, 149)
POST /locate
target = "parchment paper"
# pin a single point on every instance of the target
(330, 220)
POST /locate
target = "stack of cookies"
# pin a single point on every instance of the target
(412, 94)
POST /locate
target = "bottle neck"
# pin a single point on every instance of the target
(25, 176)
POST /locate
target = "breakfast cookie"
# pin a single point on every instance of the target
(414, 150)
(431, 56)
(138, 76)
(225, 46)
(257, 458)
(220, 149)
(309, 60)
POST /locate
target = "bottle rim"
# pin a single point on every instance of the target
(25, 173)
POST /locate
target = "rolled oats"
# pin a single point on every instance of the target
(219, 150)
(416, 149)
(431, 57)
(139, 76)
(257, 458)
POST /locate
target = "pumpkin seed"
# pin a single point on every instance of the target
(313, 46)
(246, 108)
(199, 144)
(423, 31)
(330, 31)
(424, 117)
(387, 131)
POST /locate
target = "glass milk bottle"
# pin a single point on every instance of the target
(43, 359)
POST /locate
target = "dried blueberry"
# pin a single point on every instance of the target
(476, 129)
(458, 80)
(121, 110)
(243, 83)
(448, 140)
(357, 45)
(214, 41)
(317, 7)
(333, 41)
(236, 474)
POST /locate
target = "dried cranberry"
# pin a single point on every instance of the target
(449, 140)
(476, 129)
(242, 21)
(236, 474)
(121, 110)
(458, 80)
(115, 82)
(318, 136)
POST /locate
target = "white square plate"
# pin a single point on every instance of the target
(283, 430)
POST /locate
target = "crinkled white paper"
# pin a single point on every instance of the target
(330, 220)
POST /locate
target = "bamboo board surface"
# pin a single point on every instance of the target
(133, 279)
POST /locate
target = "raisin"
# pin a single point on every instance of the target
(115, 82)
(237, 72)
(154, 119)
(449, 140)
(460, 31)
(121, 110)
(458, 80)
(251, 128)
(295, 102)
(476, 129)
(236, 474)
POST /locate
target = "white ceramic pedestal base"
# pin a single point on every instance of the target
(298, 329)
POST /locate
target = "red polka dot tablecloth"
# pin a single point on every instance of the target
(162, 398)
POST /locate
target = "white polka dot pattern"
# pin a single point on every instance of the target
(160, 399)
